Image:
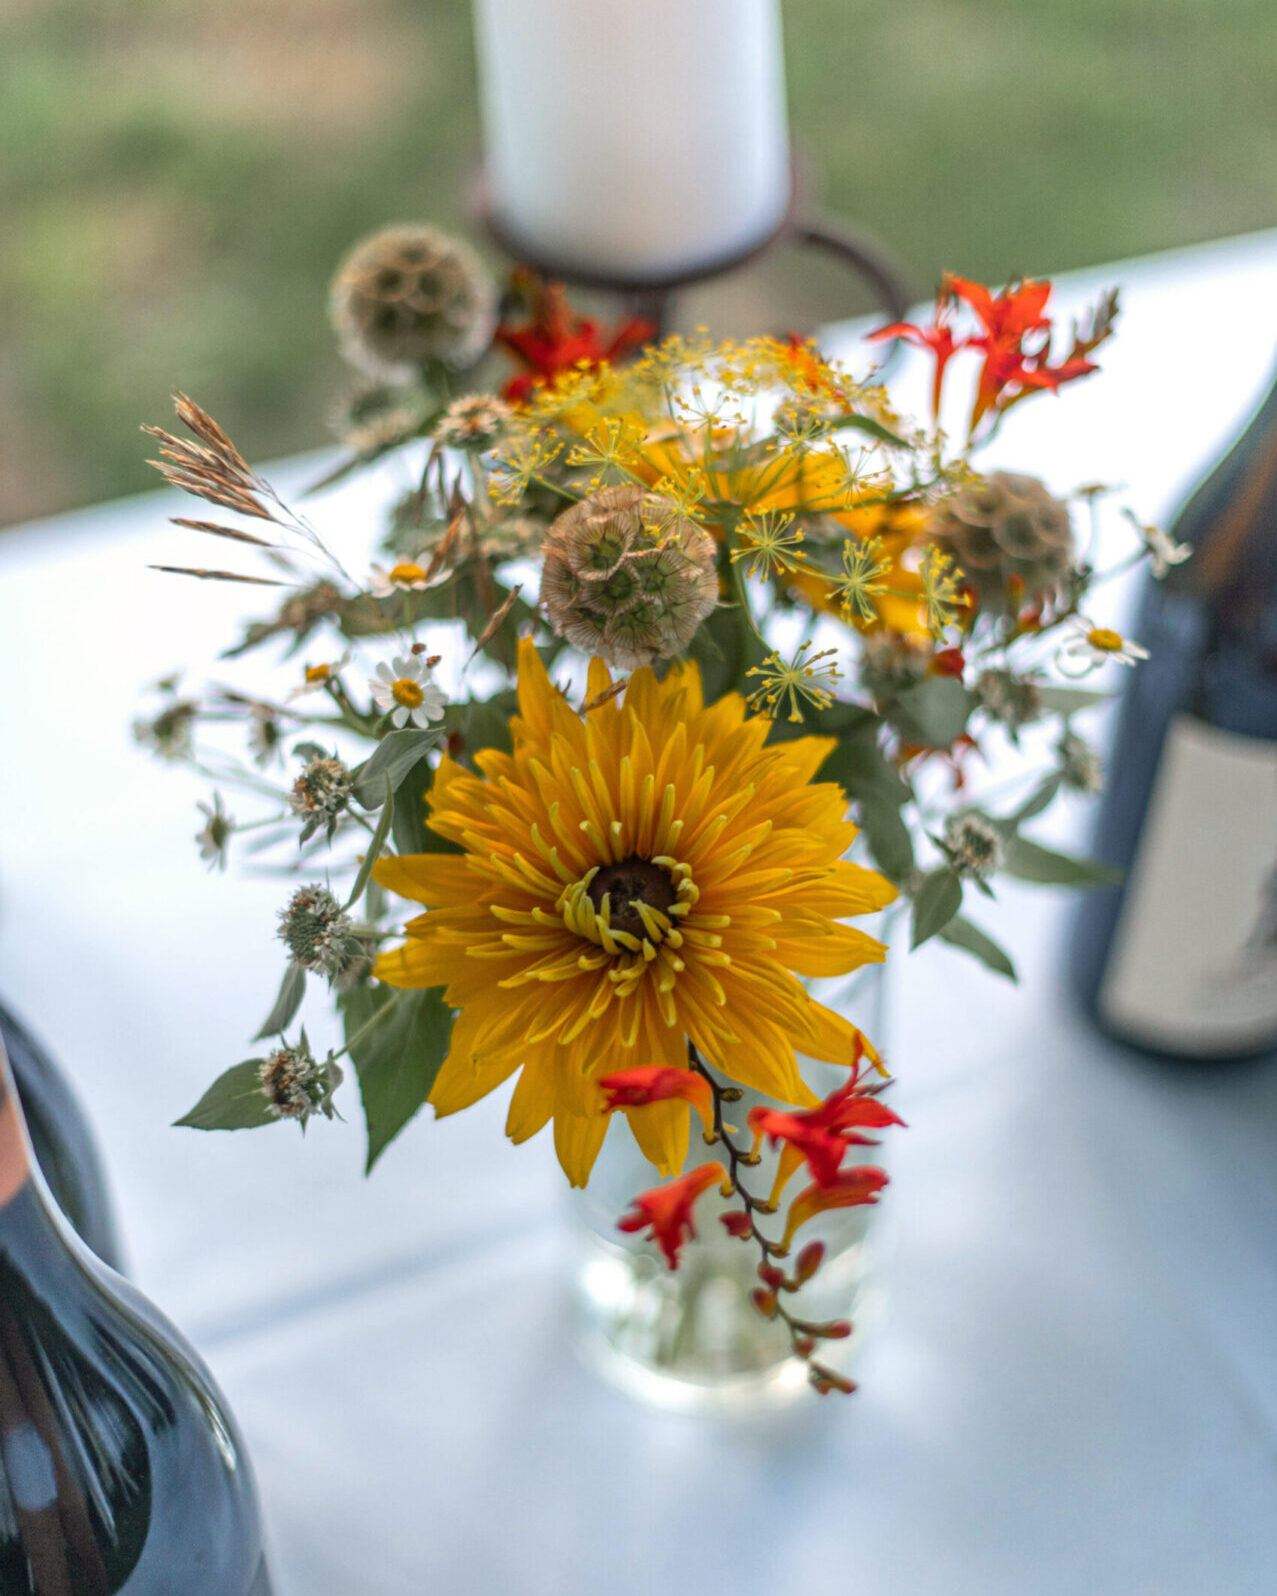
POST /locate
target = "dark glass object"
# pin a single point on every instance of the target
(63, 1143)
(120, 1466)
(1180, 960)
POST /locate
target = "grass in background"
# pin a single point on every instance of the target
(178, 180)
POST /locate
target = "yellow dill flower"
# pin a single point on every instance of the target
(806, 679)
(940, 597)
(649, 873)
(897, 528)
(770, 542)
(864, 565)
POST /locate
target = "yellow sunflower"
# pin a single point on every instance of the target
(645, 874)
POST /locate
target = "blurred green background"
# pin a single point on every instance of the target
(178, 178)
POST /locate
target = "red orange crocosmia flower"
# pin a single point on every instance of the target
(821, 1135)
(1006, 320)
(646, 1084)
(665, 1212)
(938, 338)
(556, 341)
(850, 1188)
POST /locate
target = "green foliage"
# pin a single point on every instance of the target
(933, 713)
(960, 933)
(935, 903)
(235, 1101)
(292, 990)
(386, 768)
(396, 1059)
(375, 846)
(1030, 861)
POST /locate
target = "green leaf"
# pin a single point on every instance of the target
(1030, 861)
(1039, 799)
(482, 723)
(874, 429)
(887, 836)
(235, 1101)
(960, 933)
(376, 844)
(396, 754)
(935, 904)
(933, 712)
(1068, 700)
(398, 1059)
(292, 990)
(409, 829)
(863, 770)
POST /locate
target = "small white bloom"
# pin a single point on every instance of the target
(319, 675)
(407, 691)
(1161, 547)
(1091, 646)
(405, 576)
(215, 833)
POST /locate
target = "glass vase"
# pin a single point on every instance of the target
(690, 1338)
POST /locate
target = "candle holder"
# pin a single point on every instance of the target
(651, 297)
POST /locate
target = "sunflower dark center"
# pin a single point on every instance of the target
(627, 882)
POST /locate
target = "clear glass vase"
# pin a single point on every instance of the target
(690, 1338)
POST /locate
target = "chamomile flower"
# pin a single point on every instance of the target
(406, 690)
(317, 676)
(1091, 646)
(405, 576)
(1160, 546)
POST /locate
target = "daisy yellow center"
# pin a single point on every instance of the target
(318, 673)
(1105, 639)
(407, 692)
(406, 572)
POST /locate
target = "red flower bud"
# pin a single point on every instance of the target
(809, 1260)
(764, 1301)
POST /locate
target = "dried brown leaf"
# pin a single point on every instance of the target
(494, 624)
(219, 531)
(218, 576)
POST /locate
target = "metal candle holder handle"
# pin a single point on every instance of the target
(651, 296)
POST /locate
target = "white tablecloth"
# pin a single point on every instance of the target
(1076, 1386)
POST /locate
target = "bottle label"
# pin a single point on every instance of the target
(1194, 960)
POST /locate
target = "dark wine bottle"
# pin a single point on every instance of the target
(1180, 959)
(64, 1146)
(121, 1470)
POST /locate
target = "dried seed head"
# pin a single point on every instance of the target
(321, 793)
(297, 1085)
(474, 422)
(973, 845)
(410, 295)
(627, 577)
(1010, 535)
(1013, 700)
(319, 934)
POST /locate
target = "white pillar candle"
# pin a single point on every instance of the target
(634, 139)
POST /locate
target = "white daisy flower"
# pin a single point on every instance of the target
(215, 833)
(317, 675)
(406, 690)
(1161, 547)
(1091, 646)
(405, 576)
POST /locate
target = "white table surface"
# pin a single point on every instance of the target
(1076, 1387)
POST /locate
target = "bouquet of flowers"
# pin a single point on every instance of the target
(729, 632)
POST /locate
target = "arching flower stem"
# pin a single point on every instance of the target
(767, 1298)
